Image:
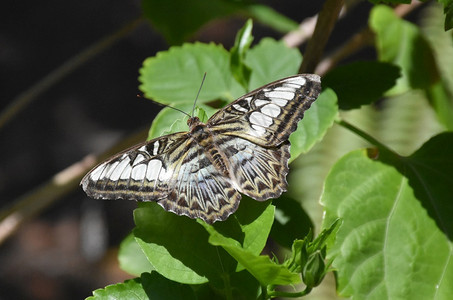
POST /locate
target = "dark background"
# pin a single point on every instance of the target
(70, 249)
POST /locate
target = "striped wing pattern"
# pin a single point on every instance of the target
(243, 148)
(268, 115)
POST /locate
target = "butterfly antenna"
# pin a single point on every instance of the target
(199, 90)
(165, 105)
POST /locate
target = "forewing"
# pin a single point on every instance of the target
(141, 173)
(259, 172)
(172, 170)
(268, 115)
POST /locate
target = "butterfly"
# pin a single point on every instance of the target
(201, 173)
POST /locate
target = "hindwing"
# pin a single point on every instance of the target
(259, 172)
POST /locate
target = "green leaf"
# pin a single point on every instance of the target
(169, 120)
(291, 221)
(250, 227)
(131, 257)
(242, 44)
(442, 104)
(448, 11)
(178, 247)
(400, 42)
(244, 286)
(245, 240)
(174, 76)
(148, 286)
(268, 16)
(265, 68)
(441, 42)
(130, 289)
(387, 246)
(177, 20)
(317, 120)
(430, 174)
(158, 287)
(361, 83)
(261, 267)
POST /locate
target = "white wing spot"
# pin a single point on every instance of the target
(260, 102)
(119, 169)
(142, 148)
(279, 102)
(138, 172)
(240, 108)
(284, 89)
(111, 168)
(155, 147)
(138, 159)
(96, 174)
(257, 130)
(127, 172)
(296, 80)
(104, 172)
(292, 86)
(281, 95)
(164, 175)
(260, 119)
(154, 166)
(271, 110)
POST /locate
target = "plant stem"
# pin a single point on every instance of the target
(365, 136)
(326, 21)
(358, 41)
(227, 289)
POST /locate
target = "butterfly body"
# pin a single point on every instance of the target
(243, 148)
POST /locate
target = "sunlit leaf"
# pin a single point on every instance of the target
(384, 248)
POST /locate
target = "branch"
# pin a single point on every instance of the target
(360, 40)
(303, 33)
(59, 185)
(326, 21)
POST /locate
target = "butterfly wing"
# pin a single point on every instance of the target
(172, 170)
(139, 173)
(258, 172)
(175, 170)
(268, 115)
(200, 190)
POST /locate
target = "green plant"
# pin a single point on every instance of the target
(394, 202)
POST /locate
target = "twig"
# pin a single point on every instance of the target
(358, 41)
(59, 185)
(25, 98)
(303, 33)
(326, 21)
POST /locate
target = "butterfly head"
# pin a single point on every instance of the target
(193, 122)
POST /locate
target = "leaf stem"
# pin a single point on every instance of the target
(365, 136)
(275, 294)
(227, 289)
